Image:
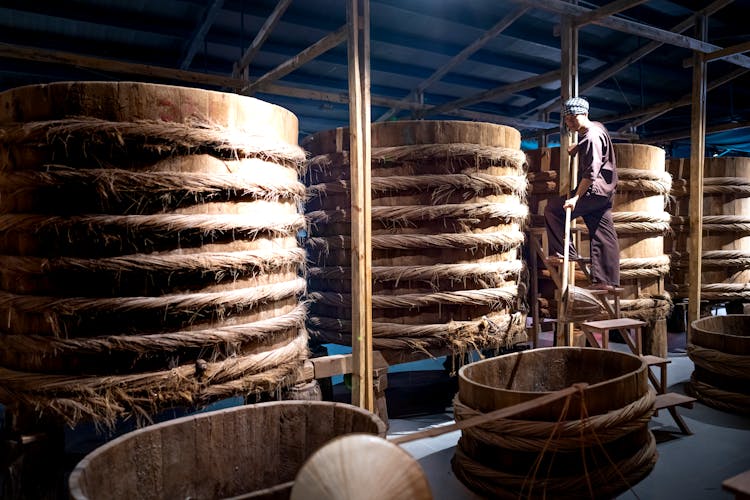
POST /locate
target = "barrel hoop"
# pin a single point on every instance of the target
(482, 297)
(718, 398)
(723, 363)
(503, 240)
(397, 216)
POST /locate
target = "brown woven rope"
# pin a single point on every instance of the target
(164, 138)
(55, 308)
(529, 435)
(440, 186)
(485, 297)
(260, 332)
(404, 215)
(503, 240)
(285, 224)
(718, 398)
(723, 363)
(719, 291)
(716, 185)
(104, 399)
(633, 179)
(716, 223)
(495, 331)
(644, 267)
(715, 258)
(261, 261)
(494, 155)
(648, 309)
(608, 479)
(491, 273)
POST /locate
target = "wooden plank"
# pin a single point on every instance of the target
(321, 46)
(610, 324)
(506, 412)
(720, 54)
(460, 57)
(739, 485)
(606, 10)
(672, 399)
(358, 23)
(241, 66)
(196, 39)
(697, 155)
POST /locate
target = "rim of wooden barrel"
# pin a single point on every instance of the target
(600, 397)
(58, 100)
(75, 481)
(727, 333)
(413, 132)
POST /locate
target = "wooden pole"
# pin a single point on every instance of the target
(568, 88)
(697, 154)
(358, 23)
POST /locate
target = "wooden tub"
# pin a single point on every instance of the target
(254, 451)
(719, 346)
(516, 457)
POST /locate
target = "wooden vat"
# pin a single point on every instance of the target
(641, 223)
(149, 251)
(719, 346)
(448, 208)
(556, 450)
(725, 263)
(253, 450)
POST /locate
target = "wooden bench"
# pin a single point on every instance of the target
(603, 327)
(739, 485)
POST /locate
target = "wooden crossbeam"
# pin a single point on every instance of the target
(260, 38)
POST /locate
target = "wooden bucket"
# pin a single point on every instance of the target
(253, 450)
(719, 347)
(725, 263)
(535, 455)
(448, 207)
(149, 250)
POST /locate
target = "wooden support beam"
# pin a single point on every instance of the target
(634, 28)
(503, 90)
(321, 46)
(568, 89)
(657, 110)
(612, 69)
(241, 66)
(504, 120)
(606, 10)
(199, 35)
(477, 44)
(720, 54)
(661, 139)
(697, 156)
(358, 31)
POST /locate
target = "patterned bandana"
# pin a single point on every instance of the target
(576, 106)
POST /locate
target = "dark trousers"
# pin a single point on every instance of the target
(596, 212)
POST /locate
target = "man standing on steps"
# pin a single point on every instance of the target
(592, 198)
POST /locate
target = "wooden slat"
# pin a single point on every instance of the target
(697, 154)
(672, 399)
(265, 30)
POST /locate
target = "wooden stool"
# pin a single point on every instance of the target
(603, 327)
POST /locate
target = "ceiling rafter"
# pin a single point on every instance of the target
(199, 35)
(480, 42)
(241, 66)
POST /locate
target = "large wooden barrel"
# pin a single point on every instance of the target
(719, 347)
(641, 223)
(725, 262)
(149, 248)
(448, 208)
(253, 451)
(598, 438)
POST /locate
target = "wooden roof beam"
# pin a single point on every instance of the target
(242, 65)
(634, 28)
(321, 46)
(477, 44)
(601, 76)
(720, 54)
(500, 91)
(606, 10)
(199, 35)
(684, 134)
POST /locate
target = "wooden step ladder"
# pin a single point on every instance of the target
(632, 327)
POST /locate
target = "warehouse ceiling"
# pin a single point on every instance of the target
(485, 60)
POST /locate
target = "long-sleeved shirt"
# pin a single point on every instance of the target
(596, 160)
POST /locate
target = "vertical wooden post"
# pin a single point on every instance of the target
(358, 21)
(568, 171)
(697, 155)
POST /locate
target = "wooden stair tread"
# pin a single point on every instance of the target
(652, 360)
(607, 324)
(671, 399)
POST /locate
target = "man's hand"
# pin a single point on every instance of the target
(571, 203)
(573, 149)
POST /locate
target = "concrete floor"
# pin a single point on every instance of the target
(688, 466)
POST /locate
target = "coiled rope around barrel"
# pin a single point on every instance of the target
(718, 398)
(564, 435)
(723, 363)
